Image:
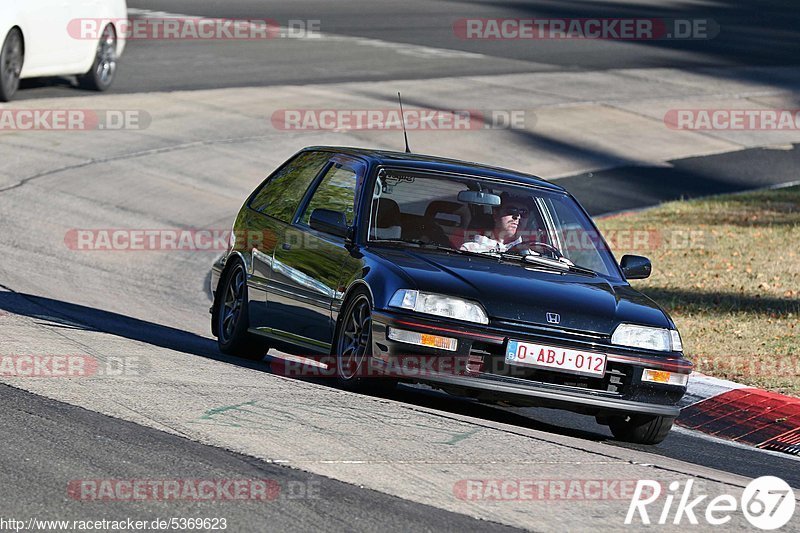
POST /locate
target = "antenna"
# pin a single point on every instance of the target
(403, 118)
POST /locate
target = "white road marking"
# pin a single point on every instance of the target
(298, 359)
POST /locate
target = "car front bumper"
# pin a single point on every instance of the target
(476, 367)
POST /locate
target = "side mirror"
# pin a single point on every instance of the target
(479, 198)
(329, 221)
(636, 267)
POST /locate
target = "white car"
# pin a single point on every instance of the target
(60, 38)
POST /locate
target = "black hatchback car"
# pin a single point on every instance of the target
(480, 281)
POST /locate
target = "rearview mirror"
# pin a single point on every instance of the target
(636, 267)
(479, 198)
(329, 221)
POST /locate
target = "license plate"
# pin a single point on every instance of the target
(554, 358)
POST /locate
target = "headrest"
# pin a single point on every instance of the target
(388, 213)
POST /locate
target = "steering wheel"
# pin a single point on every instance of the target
(524, 246)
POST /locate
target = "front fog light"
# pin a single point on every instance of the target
(664, 377)
(423, 339)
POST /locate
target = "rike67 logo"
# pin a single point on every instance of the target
(767, 503)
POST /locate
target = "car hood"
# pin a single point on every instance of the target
(520, 293)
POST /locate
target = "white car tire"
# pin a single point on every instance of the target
(104, 68)
(12, 57)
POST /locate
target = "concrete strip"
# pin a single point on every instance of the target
(701, 107)
(602, 120)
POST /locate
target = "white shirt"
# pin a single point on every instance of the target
(484, 244)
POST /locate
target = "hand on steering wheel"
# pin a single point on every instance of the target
(529, 245)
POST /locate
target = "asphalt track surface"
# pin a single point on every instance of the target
(56, 441)
(65, 439)
(636, 187)
(752, 33)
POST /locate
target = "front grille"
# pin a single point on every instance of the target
(580, 340)
(616, 380)
(549, 331)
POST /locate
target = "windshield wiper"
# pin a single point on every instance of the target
(560, 264)
(433, 246)
(391, 242)
(415, 242)
(582, 270)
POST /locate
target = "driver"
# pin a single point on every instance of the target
(507, 217)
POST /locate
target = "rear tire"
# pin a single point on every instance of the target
(641, 429)
(233, 319)
(12, 57)
(104, 68)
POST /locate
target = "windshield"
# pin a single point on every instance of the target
(485, 216)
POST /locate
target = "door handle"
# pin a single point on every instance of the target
(286, 246)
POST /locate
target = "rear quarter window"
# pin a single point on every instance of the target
(281, 195)
(336, 191)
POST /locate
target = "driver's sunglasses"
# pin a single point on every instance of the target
(515, 212)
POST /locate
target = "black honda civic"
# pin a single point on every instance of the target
(379, 267)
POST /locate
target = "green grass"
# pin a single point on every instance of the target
(732, 286)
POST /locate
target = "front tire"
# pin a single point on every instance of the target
(233, 319)
(641, 429)
(353, 347)
(12, 57)
(354, 342)
(104, 68)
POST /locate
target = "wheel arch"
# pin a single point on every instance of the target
(359, 285)
(232, 258)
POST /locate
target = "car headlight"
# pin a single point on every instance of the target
(663, 340)
(439, 305)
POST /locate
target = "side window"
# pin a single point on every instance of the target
(284, 191)
(336, 191)
(576, 242)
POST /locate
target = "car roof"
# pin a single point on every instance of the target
(442, 164)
